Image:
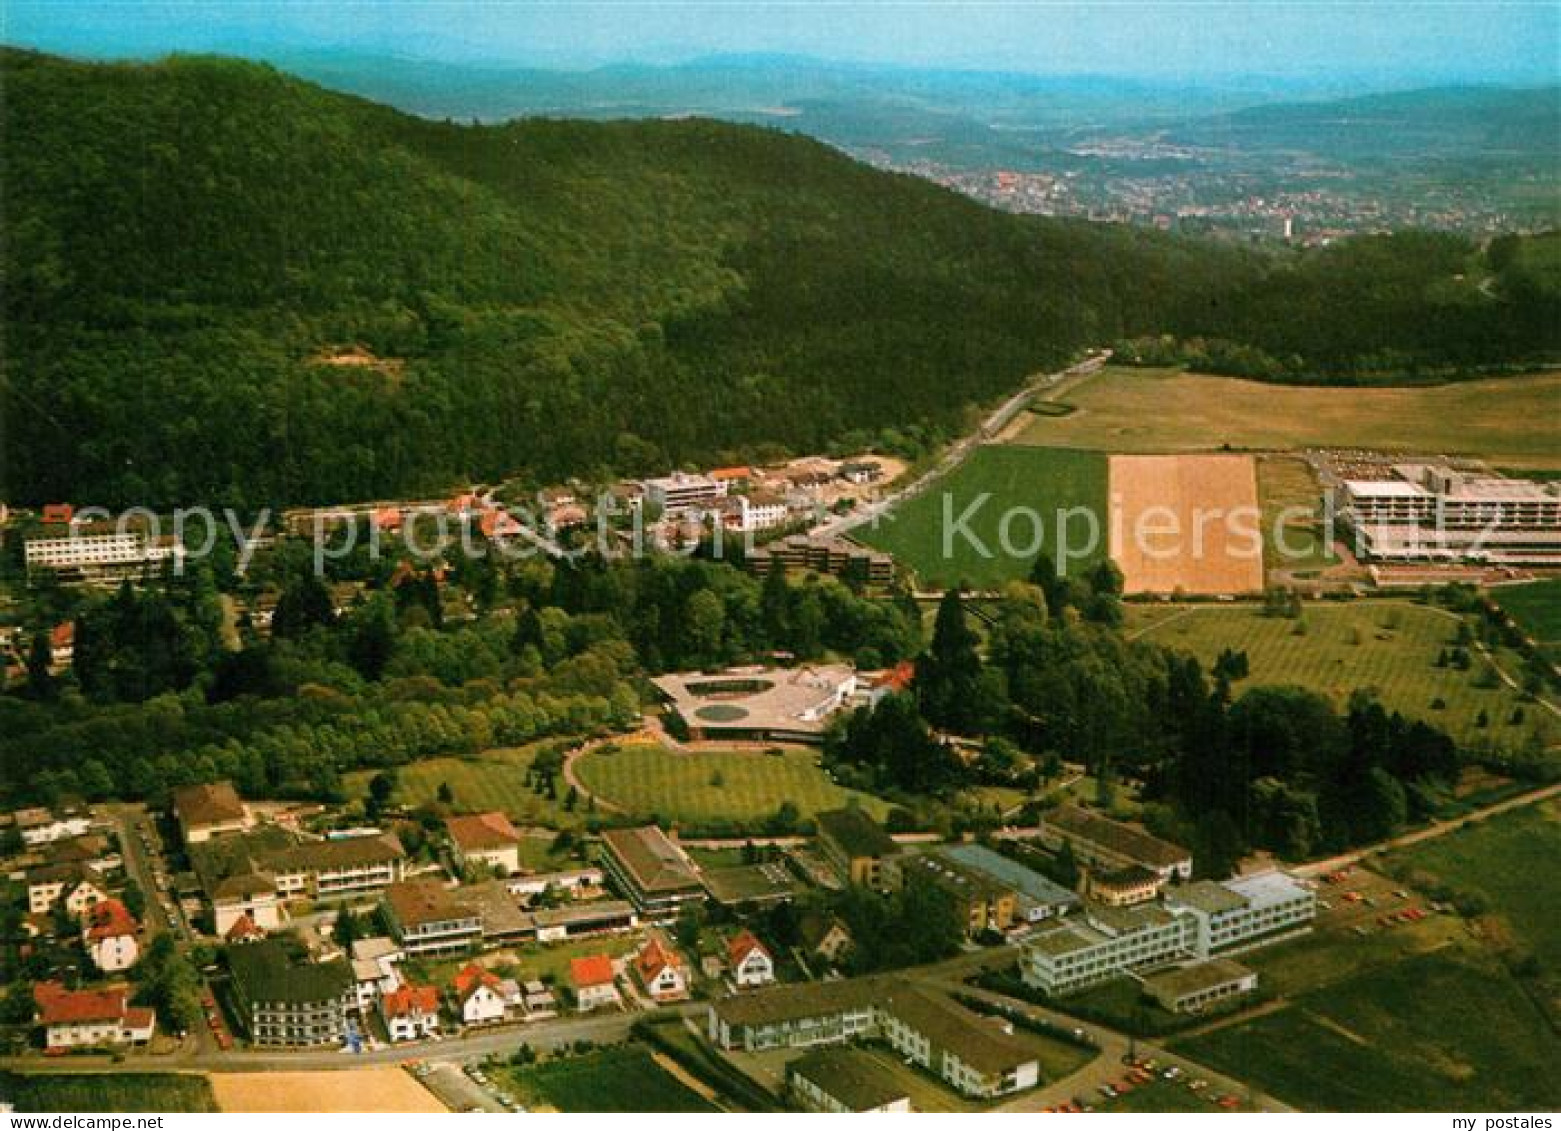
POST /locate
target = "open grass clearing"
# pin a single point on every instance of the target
(108, 1092)
(1508, 419)
(495, 779)
(625, 1078)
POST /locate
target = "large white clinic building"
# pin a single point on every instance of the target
(1432, 512)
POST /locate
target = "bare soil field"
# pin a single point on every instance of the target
(1187, 524)
(358, 1089)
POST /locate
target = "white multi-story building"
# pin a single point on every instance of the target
(679, 493)
(1243, 912)
(755, 512)
(1430, 512)
(1103, 943)
(426, 918)
(94, 557)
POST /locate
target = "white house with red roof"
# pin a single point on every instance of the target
(478, 995)
(91, 1018)
(410, 1012)
(485, 839)
(108, 934)
(593, 982)
(749, 961)
(661, 970)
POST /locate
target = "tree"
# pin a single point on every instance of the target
(17, 1007)
(40, 663)
(305, 603)
(373, 640)
(382, 787)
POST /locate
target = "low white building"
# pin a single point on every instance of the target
(74, 1019)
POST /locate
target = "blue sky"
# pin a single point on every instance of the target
(1306, 39)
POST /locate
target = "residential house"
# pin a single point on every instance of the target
(593, 982)
(74, 1019)
(661, 969)
(427, 918)
(108, 934)
(410, 1013)
(374, 970)
(486, 840)
(836, 1081)
(749, 961)
(209, 810)
(825, 937)
(286, 1002)
(649, 867)
(478, 996)
(75, 886)
(856, 847)
(244, 930)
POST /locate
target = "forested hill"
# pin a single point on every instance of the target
(226, 285)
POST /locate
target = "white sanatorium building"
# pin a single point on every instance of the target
(678, 493)
(1430, 512)
(98, 557)
(1197, 921)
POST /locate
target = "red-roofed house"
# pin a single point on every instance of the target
(750, 963)
(593, 982)
(389, 518)
(62, 646)
(90, 1018)
(477, 995)
(410, 1012)
(245, 930)
(498, 524)
(56, 514)
(108, 934)
(485, 838)
(660, 969)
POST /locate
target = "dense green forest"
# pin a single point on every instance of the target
(191, 243)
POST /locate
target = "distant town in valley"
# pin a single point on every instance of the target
(609, 588)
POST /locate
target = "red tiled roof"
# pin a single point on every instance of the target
(139, 1017)
(63, 635)
(654, 957)
(411, 999)
(472, 975)
(57, 512)
(109, 919)
(482, 831)
(593, 970)
(732, 473)
(742, 945)
(244, 928)
(59, 1006)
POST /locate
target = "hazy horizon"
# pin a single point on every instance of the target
(1194, 43)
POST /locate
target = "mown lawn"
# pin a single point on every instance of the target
(621, 1079)
(1448, 1031)
(717, 785)
(924, 535)
(1537, 609)
(496, 779)
(1391, 646)
(108, 1092)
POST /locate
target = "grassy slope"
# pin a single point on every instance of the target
(495, 780)
(1400, 662)
(1537, 609)
(1045, 481)
(1148, 410)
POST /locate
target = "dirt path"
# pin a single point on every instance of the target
(683, 1076)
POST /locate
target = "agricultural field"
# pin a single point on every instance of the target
(1390, 646)
(1288, 484)
(627, 1078)
(1444, 1031)
(1508, 419)
(1044, 481)
(496, 779)
(386, 1089)
(1497, 860)
(108, 1092)
(1537, 609)
(1186, 524)
(712, 786)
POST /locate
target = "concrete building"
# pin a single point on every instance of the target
(982, 902)
(799, 1016)
(80, 556)
(976, 1056)
(1123, 887)
(759, 704)
(856, 848)
(1036, 898)
(1244, 912)
(1102, 944)
(757, 511)
(1431, 512)
(802, 553)
(427, 918)
(678, 493)
(1101, 842)
(1195, 987)
(649, 867)
(286, 1002)
(836, 1081)
(484, 839)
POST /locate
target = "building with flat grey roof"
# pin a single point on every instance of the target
(1195, 987)
(1244, 912)
(1037, 898)
(759, 704)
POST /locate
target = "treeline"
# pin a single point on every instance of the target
(303, 297)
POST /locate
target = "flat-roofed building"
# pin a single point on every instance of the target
(1104, 843)
(652, 870)
(976, 1056)
(759, 704)
(835, 557)
(680, 493)
(1195, 987)
(79, 556)
(856, 848)
(428, 918)
(1244, 912)
(836, 1081)
(1102, 944)
(1432, 512)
